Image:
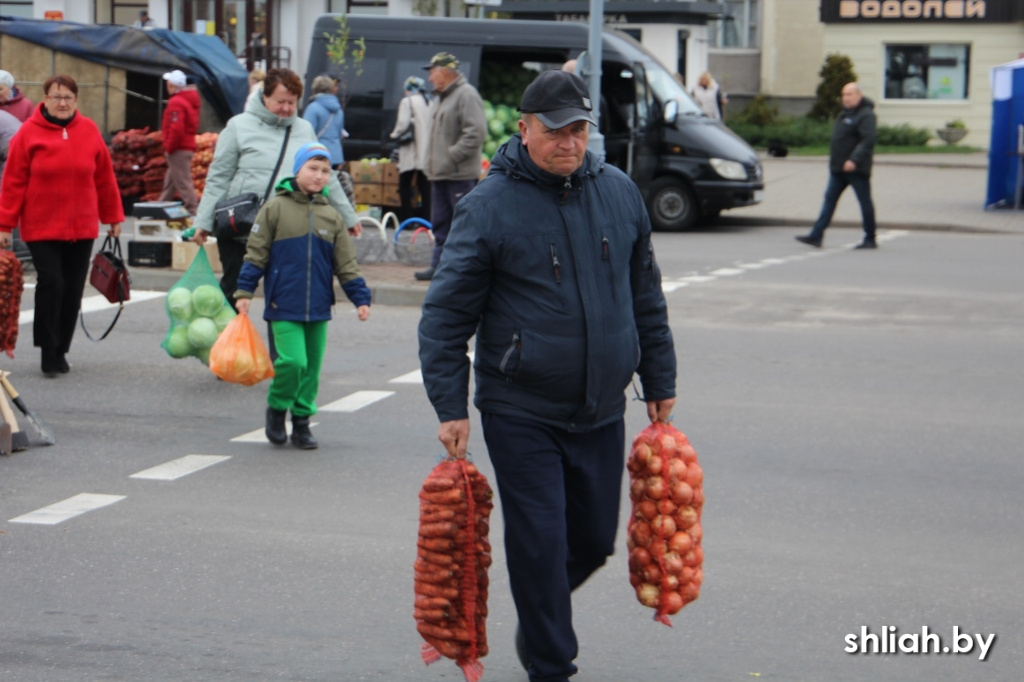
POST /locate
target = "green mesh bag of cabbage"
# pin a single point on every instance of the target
(198, 312)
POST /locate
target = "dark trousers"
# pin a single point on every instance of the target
(444, 194)
(232, 255)
(560, 502)
(836, 184)
(413, 184)
(61, 271)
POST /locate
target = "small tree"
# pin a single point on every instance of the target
(347, 55)
(836, 72)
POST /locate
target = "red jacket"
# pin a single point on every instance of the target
(181, 121)
(59, 181)
(18, 105)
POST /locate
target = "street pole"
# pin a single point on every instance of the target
(593, 72)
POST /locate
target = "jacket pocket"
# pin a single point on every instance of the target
(511, 360)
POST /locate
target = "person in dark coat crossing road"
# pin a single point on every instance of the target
(550, 264)
(850, 157)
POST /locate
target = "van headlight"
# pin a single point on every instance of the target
(730, 170)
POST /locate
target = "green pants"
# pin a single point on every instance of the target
(300, 355)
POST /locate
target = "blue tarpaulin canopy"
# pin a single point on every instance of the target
(1007, 144)
(222, 81)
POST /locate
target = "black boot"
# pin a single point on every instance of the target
(53, 362)
(301, 435)
(275, 429)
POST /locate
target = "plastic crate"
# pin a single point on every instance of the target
(149, 254)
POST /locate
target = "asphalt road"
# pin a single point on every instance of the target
(857, 415)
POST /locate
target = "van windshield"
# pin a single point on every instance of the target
(666, 89)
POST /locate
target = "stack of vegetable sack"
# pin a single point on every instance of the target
(664, 531)
(451, 565)
(201, 159)
(129, 151)
(12, 284)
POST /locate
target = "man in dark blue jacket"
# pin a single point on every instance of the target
(850, 156)
(549, 262)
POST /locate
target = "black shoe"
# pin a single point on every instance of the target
(53, 363)
(275, 428)
(867, 244)
(810, 241)
(424, 275)
(301, 435)
(521, 648)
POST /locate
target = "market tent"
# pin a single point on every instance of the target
(220, 78)
(1004, 152)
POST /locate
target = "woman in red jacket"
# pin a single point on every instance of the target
(59, 186)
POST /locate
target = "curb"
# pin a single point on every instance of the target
(162, 279)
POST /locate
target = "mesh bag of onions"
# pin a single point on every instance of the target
(664, 531)
(453, 555)
(12, 284)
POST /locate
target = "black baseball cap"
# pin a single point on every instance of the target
(557, 98)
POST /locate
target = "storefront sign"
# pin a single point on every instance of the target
(53, 15)
(987, 11)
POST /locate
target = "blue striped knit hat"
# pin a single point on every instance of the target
(310, 151)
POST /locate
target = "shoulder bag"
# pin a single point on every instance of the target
(110, 276)
(234, 216)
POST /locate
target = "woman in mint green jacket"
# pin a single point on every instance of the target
(246, 152)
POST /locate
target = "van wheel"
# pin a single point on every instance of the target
(672, 205)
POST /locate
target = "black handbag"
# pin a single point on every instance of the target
(406, 137)
(110, 276)
(234, 216)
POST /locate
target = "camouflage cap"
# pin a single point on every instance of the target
(445, 59)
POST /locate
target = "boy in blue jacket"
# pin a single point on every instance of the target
(299, 242)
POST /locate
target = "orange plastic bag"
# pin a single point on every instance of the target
(239, 355)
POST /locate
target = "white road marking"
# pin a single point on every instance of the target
(417, 376)
(356, 401)
(260, 436)
(69, 508)
(410, 378)
(670, 285)
(727, 272)
(91, 304)
(183, 466)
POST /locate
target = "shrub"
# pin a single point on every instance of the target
(903, 135)
(836, 72)
(760, 111)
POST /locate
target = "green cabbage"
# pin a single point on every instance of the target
(207, 300)
(202, 332)
(177, 343)
(179, 304)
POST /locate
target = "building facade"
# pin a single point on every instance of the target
(923, 62)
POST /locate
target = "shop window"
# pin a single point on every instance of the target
(16, 9)
(737, 25)
(926, 71)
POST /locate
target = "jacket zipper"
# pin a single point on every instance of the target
(309, 261)
(556, 265)
(566, 187)
(516, 345)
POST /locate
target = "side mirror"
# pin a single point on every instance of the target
(671, 111)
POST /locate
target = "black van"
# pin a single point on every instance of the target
(688, 167)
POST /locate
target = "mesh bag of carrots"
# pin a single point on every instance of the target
(453, 555)
(12, 284)
(664, 531)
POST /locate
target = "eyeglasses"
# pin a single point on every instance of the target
(61, 98)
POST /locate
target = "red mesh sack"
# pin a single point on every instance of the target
(664, 531)
(12, 284)
(453, 555)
